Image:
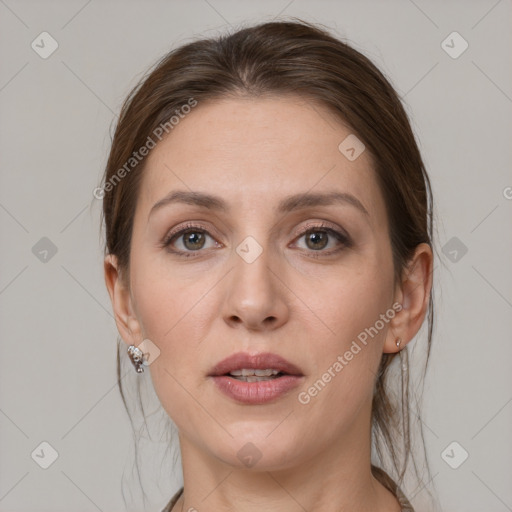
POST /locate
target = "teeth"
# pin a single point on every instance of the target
(257, 373)
(254, 378)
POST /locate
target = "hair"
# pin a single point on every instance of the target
(298, 58)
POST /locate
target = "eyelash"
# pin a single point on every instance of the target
(192, 228)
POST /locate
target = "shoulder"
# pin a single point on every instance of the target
(388, 482)
(173, 501)
(404, 502)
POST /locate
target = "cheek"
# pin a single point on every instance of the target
(353, 300)
(163, 298)
(172, 314)
(168, 321)
(354, 308)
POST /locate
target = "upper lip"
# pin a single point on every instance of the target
(263, 361)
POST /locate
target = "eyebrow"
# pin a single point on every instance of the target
(286, 205)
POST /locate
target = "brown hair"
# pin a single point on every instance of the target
(291, 57)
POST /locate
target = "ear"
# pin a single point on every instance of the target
(122, 304)
(413, 293)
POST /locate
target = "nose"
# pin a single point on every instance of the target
(256, 295)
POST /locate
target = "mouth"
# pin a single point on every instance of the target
(254, 368)
(255, 379)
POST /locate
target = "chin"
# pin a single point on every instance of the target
(257, 451)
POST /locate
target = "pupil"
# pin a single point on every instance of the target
(195, 239)
(317, 237)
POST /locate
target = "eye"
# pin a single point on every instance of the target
(187, 240)
(318, 238)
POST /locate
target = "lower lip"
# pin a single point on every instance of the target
(255, 393)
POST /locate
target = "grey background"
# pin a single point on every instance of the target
(57, 378)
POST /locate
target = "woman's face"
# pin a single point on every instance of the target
(246, 279)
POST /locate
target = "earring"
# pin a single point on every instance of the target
(398, 341)
(137, 358)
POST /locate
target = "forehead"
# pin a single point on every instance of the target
(250, 150)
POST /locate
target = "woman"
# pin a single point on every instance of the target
(268, 256)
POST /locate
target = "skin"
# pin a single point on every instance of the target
(198, 310)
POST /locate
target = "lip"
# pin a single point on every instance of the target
(255, 393)
(263, 361)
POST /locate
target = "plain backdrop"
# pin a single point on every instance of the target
(57, 377)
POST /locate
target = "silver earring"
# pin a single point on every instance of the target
(398, 341)
(137, 358)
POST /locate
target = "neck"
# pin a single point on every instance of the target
(337, 479)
